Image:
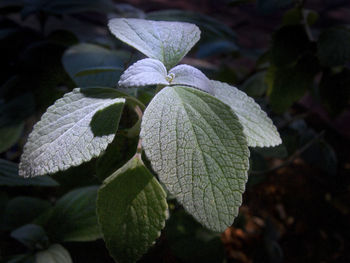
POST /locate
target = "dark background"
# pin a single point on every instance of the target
(296, 207)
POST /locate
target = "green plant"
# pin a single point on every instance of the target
(195, 132)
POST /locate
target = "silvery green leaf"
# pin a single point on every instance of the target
(168, 42)
(257, 126)
(197, 147)
(190, 76)
(75, 129)
(132, 210)
(150, 71)
(144, 72)
(54, 254)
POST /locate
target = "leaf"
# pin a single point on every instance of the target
(54, 254)
(255, 86)
(288, 44)
(216, 47)
(93, 59)
(77, 128)
(144, 72)
(333, 46)
(257, 126)
(74, 217)
(9, 135)
(150, 71)
(132, 210)
(23, 210)
(197, 147)
(168, 42)
(30, 235)
(288, 85)
(9, 177)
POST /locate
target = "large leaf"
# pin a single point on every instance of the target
(196, 145)
(92, 65)
(23, 210)
(150, 71)
(132, 210)
(75, 129)
(9, 177)
(74, 216)
(334, 46)
(257, 126)
(168, 42)
(54, 254)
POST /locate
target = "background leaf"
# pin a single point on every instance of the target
(55, 253)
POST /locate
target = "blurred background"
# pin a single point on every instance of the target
(291, 56)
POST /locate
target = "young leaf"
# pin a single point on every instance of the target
(168, 42)
(74, 216)
(257, 126)
(150, 71)
(196, 145)
(144, 72)
(132, 210)
(55, 253)
(75, 129)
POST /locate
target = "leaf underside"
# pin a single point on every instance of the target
(168, 42)
(132, 210)
(197, 147)
(75, 129)
(257, 126)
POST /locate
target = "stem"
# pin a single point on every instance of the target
(291, 159)
(139, 144)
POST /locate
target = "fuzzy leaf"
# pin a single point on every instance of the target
(196, 145)
(150, 71)
(75, 129)
(55, 253)
(257, 126)
(168, 42)
(144, 72)
(132, 210)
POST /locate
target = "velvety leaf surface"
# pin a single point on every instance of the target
(197, 147)
(257, 126)
(168, 42)
(132, 210)
(75, 129)
(54, 254)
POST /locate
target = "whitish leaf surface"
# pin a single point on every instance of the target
(257, 126)
(144, 72)
(75, 129)
(196, 145)
(150, 71)
(132, 210)
(54, 254)
(74, 216)
(168, 42)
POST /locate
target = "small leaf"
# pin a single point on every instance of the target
(9, 177)
(9, 135)
(93, 59)
(54, 254)
(257, 126)
(32, 236)
(144, 72)
(168, 42)
(333, 47)
(255, 86)
(77, 128)
(190, 76)
(197, 147)
(150, 71)
(132, 210)
(74, 216)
